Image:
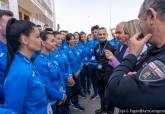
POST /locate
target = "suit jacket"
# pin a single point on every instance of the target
(120, 52)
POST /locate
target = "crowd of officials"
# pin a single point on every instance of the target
(43, 71)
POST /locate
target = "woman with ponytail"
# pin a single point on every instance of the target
(24, 90)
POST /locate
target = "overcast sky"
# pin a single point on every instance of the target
(78, 15)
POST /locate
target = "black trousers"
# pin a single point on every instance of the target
(102, 80)
(92, 73)
(63, 108)
(101, 88)
(74, 92)
(85, 80)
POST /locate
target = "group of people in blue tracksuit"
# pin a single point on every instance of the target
(40, 70)
(44, 71)
(49, 69)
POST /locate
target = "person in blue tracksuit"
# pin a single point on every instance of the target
(3, 60)
(3, 63)
(83, 41)
(73, 54)
(50, 71)
(61, 58)
(5, 15)
(2, 96)
(114, 41)
(6, 111)
(64, 44)
(92, 60)
(24, 90)
(85, 78)
(78, 51)
(59, 55)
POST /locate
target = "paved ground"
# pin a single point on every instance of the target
(89, 105)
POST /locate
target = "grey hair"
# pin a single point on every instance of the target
(157, 5)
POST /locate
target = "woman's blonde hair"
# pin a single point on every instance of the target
(132, 27)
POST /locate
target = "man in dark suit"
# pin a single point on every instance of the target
(120, 35)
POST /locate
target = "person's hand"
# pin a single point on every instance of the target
(130, 74)
(49, 109)
(65, 98)
(137, 42)
(71, 82)
(108, 54)
(76, 74)
(62, 101)
(86, 63)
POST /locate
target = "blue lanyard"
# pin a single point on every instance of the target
(101, 51)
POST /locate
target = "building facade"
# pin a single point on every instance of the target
(38, 11)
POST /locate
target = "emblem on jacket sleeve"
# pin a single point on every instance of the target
(152, 72)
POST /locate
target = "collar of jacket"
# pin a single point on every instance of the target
(103, 43)
(24, 57)
(42, 54)
(155, 50)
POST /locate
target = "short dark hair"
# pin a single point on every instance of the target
(5, 12)
(38, 25)
(65, 31)
(77, 33)
(49, 30)
(44, 35)
(94, 27)
(82, 32)
(55, 33)
(69, 36)
(102, 28)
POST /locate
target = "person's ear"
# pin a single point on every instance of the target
(43, 43)
(152, 15)
(24, 40)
